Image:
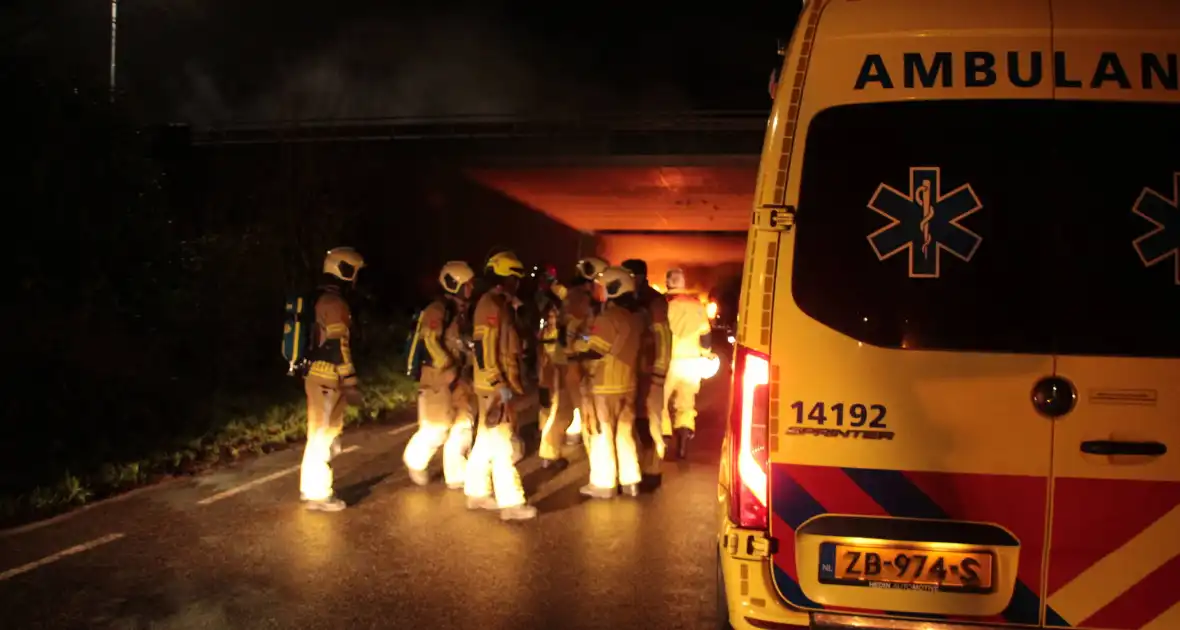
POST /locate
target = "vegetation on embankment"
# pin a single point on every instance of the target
(245, 426)
(144, 313)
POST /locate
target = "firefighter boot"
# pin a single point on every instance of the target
(482, 503)
(595, 492)
(518, 513)
(419, 477)
(331, 504)
(682, 437)
(557, 465)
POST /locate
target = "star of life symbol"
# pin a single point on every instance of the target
(1163, 241)
(925, 222)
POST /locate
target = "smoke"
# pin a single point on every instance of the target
(209, 61)
(400, 67)
(205, 103)
(404, 69)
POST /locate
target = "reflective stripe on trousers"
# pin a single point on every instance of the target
(680, 395)
(557, 418)
(440, 425)
(653, 408)
(490, 469)
(613, 456)
(325, 421)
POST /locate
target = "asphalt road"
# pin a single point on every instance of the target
(234, 549)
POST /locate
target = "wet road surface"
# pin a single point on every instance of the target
(234, 549)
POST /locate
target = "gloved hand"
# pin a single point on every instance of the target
(505, 394)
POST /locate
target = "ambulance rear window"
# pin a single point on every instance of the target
(995, 226)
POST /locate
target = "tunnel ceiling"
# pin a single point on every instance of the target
(632, 198)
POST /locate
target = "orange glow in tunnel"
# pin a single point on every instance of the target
(705, 258)
(634, 198)
(692, 217)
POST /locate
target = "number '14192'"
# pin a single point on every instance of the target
(858, 414)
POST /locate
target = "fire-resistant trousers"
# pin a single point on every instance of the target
(680, 396)
(613, 457)
(325, 421)
(557, 418)
(444, 422)
(490, 467)
(651, 396)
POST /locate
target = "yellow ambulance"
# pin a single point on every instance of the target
(956, 390)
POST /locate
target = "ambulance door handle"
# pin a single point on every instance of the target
(1112, 447)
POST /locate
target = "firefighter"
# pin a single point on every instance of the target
(654, 355)
(522, 316)
(567, 317)
(441, 358)
(692, 337)
(612, 349)
(492, 479)
(331, 383)
(556, 409)
(579, 304)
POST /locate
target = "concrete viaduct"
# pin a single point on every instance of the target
(673, 188)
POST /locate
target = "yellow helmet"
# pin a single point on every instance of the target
(344, 263)
(591, 266)
(506, 264)
(616, 281)
(454, 275)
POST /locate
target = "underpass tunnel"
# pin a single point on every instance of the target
(693, 216)
(413, 209)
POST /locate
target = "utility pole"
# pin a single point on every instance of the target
(114, 31)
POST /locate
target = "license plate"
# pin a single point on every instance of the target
(909, 568)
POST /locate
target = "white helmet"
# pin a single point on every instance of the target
(454, 275)
(616, 281)
(674, 279)
(344, 263)
(591, 266)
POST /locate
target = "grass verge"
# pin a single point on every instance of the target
(246, 426)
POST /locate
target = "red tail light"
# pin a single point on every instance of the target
(749, 420)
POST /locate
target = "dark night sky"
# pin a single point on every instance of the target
(208, 60)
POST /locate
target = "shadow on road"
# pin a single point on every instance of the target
(358, 492)
(563, 498)
(533, 481)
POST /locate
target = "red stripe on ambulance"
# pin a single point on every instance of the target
(1094, 517)
(1014, 502)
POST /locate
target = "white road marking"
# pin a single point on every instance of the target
(258, 482)
(76, 549)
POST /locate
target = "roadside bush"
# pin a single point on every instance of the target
(142, 327)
